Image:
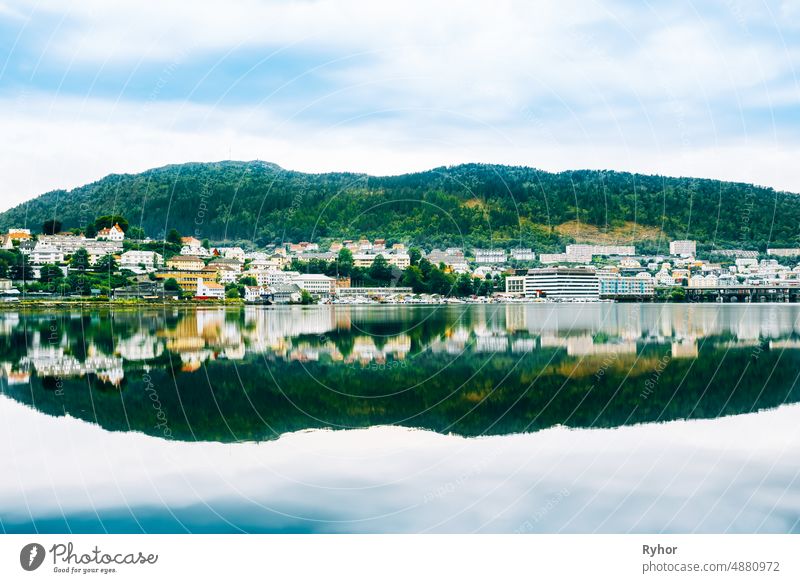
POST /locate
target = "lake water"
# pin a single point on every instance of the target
(500, 418)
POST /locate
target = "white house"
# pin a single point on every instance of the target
(232, 253)
(114, 233)
(209, 289)
(227, 274)
(254, 293)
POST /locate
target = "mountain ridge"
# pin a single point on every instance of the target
(472, 204)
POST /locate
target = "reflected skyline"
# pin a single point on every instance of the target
(256, 373)
(538, 418)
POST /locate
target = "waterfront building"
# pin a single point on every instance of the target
(556, 283)
(187, 280)
(284, 293)
(625, 287)
(209, 289)
(683, 248)
(315, 284)
(372, 291)
(255, 293)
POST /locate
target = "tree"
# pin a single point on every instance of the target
(50, 273)
(80, 260)
(174, 237)
(248, 280)
(171, 284)
(413, 278)
(51, 227)
(465, 285)
(380, 270)
(108, 221)
(232, 293)
(206, 244)
(21, 269)
(414, 255)
(677, 294)
(344, 262)
(106, 264)
(306, 298)
(136, 233)
(90, 231)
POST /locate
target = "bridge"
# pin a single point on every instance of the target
(744, 293)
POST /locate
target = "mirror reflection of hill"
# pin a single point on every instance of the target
(255, 373)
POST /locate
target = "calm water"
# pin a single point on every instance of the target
(502, 418)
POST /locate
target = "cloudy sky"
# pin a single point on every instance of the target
(91, 87)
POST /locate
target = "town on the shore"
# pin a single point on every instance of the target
(110, 262)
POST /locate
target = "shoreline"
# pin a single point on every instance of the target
(44, 304)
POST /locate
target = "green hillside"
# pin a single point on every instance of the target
(471, 204)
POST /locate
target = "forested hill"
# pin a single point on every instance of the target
(473, 204)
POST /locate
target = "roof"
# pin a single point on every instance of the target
(226, 261)
(314, 276)
(212, 285)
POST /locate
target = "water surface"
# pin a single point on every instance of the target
(499, 418)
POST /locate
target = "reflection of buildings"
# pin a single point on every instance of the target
(363, 335)
(51, 360)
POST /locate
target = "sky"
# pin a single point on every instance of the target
(91, 87)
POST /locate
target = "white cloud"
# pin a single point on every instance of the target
(556, 85)
(79, 141)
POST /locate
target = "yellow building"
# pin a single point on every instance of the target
(187, 280)
(185, 263)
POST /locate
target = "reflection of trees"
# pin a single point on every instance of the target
(469, 395)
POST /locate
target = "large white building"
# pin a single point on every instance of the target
(683, 247)
(784, 252)
(315, 284)
(490, 256)
(547, 258)
(582, 253)
(141, 261)
(271, 277)
(46, 253)
(555, 283)
(523, 254)
(401, 260)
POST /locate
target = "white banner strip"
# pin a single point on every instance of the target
(355, 558)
